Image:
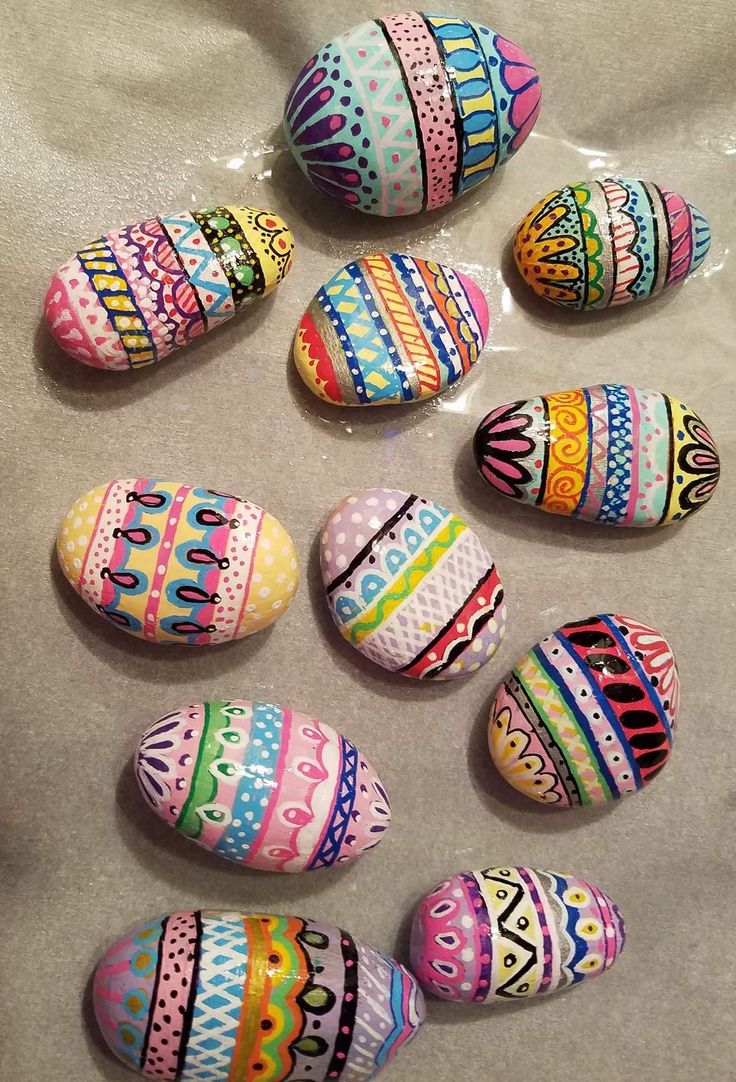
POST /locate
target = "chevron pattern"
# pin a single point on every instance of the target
(595, 489)
(338, 828)
(218, 1000)
(202, 266)
(109, 283)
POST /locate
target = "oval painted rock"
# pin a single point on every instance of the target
(229, 997)
(410, 586)
(404, 114)
(388, 329)
(601, 243)
(588, 715)
(621, 456)
(171, 563)
(138, 293)
(510, 933)
(262, 785)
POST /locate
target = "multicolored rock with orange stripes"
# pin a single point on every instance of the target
(388, 329)
(504, 934)
(601, 243)
(137, 294)
(262, 785)
(174, 564)
(589, 714)
(210, 996)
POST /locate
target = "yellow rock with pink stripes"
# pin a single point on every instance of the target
(138, 293)
(172, 563)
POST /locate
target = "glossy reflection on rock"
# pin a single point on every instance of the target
(230, 997)
(504, 934)
(612, 454)
(601, 243)
(262, 785)
(137, 294)
(589, 714)
(408, 112)
(389, 329)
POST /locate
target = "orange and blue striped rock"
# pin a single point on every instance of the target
(261, 785)
(221, 996)
(588, 714)
(612, 454)
(408, 112)
(388, 329)
(137, 294)
(601, 243)
(503, 934)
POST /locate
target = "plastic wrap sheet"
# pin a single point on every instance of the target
(112, 112)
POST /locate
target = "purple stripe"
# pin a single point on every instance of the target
(539, 906)
(483, 928)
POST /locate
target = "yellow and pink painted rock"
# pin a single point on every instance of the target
(405, 113)
(262, 785)
(504, 934)
(137, 294)
(172, 563)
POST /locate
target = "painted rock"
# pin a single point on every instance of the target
(612, 454)
(600, 243)
(588, 715)
(137, 294)
(174, 564)
(410, 586)
(388, 329)
(230, 997)
(406, 113)
(510, 933)
(262, 785)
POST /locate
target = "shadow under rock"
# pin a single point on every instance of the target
(104, 1061)
(507, 803)
(85, 388)
(125, 651)
(387, 684)
(517, 520)
(168, 855)
(569, 321)
(333, 225)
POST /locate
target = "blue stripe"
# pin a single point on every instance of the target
(391, 359)
(589, 463)
(397, 1014)
(344, 801)
(573, 915)
(259, 763)
(620, 440)
(559, 682)
(422, 310)
(334, 317)
(634, 662)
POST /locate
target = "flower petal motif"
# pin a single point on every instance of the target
(525, 772)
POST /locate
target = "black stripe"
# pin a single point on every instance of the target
(186, 1022)
(545, 459)
(668, 223)
(348, 1008)
(452, 620)
(185, 272)
(367, 549)
(670, 458)
(154, 992)
(459, 128)
(412, 103)
(586, 275)
(655, 226)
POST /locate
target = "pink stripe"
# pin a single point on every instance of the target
(607, 920)
(431, 93)
(163, 558)
(246, 589)
(88, 550)
(637, 450)
(286, 728)
(678, 212)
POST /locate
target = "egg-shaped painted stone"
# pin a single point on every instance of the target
(510, 933)
(612, 454)
(388, 329)
(410, 585)
(588, 715)
(601, 243)
(405, 113)
(170, 563)
(138, 293)
(233, 997)
(262, 785)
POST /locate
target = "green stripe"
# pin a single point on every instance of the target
(585, 799)
(204, 786)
